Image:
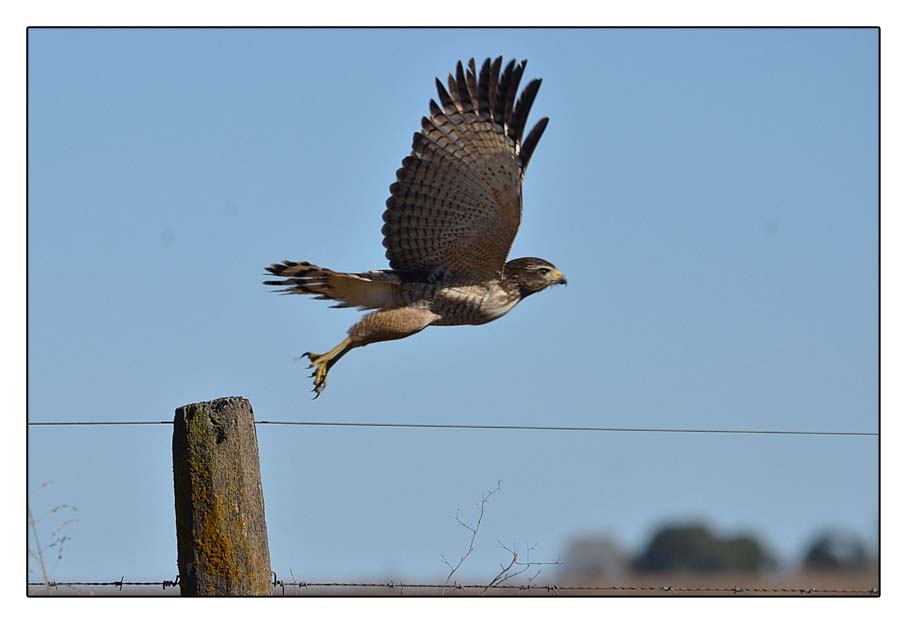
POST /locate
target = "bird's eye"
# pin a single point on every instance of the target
(544, 271)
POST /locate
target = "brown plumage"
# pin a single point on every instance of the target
(450, 220)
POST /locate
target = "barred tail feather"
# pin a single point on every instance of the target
(374, 290)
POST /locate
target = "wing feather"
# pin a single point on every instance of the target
(472, 85)
(482, 91)
(501, 115)
(445, 98)
(464, 98)
(494, 79)
(532, 139)
(521, 110)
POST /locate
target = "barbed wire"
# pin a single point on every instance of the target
(91, 423)
(548, 588)
(118, 584)
(392, 585)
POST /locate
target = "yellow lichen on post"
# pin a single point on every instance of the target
(222, 538)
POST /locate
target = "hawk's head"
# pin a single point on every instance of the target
(531, 275)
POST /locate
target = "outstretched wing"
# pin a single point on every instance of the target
(455, 207)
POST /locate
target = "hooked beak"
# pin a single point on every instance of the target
(559, 278)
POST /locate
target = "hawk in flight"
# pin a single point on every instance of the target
(450, 221)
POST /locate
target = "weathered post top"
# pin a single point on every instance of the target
(222, 539)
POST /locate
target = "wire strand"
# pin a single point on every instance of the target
(93, 423)
(398, 425)
(567, 428)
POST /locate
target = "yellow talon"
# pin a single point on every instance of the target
(323, 362)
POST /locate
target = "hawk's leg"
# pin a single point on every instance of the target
(379, 326)
(323, 362)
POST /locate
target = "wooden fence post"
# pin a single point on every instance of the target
(222, 539)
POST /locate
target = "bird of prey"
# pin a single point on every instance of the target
(450, 221)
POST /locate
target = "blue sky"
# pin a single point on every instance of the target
(710, 194)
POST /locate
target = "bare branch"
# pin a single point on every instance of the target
(474, 531)
(513, 568)
(516, 567)
(36, 550)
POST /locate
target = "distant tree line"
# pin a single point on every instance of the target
(697, 548)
